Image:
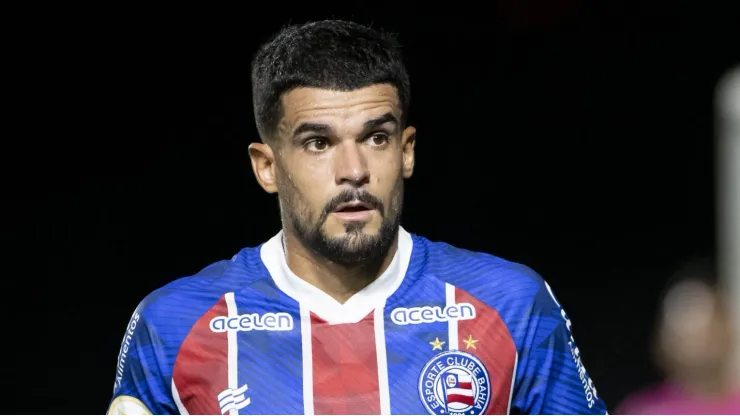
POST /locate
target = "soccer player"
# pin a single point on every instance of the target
(343, 311)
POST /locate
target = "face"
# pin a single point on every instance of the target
(338, 166)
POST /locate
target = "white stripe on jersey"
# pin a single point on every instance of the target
(383, 387)
(306, 348)
(233, 353)
(452, 340)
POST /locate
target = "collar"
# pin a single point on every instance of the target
(321, 304)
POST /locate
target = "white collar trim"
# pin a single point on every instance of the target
(323, 305)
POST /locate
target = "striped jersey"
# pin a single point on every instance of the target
(442, 331)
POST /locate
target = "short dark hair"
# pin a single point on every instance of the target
(327, 54)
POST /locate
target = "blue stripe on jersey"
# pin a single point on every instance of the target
(408, 346)
(270, 362)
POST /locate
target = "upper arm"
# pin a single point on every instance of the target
(551, 377)
(143, 371)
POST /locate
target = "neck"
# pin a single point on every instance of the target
(340, 282)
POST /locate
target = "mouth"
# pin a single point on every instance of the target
(354, 206)
(354, 212)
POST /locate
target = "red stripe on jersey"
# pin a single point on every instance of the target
(494, 347)
(201, 367)
(345, 368)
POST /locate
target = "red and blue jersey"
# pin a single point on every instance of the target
(442, 331)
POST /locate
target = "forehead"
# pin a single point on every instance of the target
(335, 108)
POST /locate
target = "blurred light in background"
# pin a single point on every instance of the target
(728, 164)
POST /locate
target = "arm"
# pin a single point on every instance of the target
(551, 377)
(143, 372)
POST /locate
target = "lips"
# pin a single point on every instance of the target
(354, 206)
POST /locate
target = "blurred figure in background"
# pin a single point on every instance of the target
(693, 346)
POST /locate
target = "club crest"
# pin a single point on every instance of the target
(455, 383)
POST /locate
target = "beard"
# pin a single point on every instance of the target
(356, 247)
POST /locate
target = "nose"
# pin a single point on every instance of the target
(351, 165)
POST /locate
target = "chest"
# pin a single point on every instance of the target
(393, 361)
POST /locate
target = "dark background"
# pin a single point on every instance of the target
(575, 138)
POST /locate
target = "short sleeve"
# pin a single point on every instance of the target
(551, 377)
(143, 373)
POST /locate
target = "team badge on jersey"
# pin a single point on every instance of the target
(455, 382)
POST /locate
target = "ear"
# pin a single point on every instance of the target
(263, 165)
(408, 141)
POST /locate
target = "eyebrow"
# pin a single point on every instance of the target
(311, 127)
(377, 122)
(325, 128)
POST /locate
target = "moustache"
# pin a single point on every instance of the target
(348, 196)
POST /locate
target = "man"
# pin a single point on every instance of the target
(344, 311)
(693, 346)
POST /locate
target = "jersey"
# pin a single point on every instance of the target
(442, 331)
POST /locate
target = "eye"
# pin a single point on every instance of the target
(316, 144)
(378, 139)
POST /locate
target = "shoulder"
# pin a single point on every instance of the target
(489, 278)
(188, 298)
(518, 294)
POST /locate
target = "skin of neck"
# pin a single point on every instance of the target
(339, 281)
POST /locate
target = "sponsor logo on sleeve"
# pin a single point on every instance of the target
(126, 344)
(588, 385)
